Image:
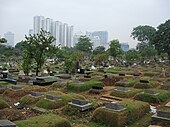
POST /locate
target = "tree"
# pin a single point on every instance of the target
(3, 40)
(143, 34)
(132, 55)
(162, 38)
(99, 50)
(39, 45)
(100, 58)
(114, 49)
(84, 45)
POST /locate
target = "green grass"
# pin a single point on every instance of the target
(83, 87)
(45, 120)
(134, 111)
(163, 96)
(29, 100)
(3, 104)
(129, 83)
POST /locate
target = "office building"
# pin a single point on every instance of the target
(124, 46)
(9, 36)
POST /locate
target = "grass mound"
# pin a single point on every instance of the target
(3, 104)
(54, 104)
(129, 83)
(162, 96)
(29, 100)
(151, 74)
(46, 120)
(131, 93)
(151, 84)
(83, 87)
(134, 110)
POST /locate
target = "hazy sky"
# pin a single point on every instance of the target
(118, 17)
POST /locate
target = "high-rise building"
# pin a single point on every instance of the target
(61, 31)
(9, 36)
(31, 31)
(124, 46)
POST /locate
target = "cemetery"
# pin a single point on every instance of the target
(48, 86)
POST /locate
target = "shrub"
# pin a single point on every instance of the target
(131, 93)
(159, 98)
(83, 87)
(46, 120)
(134, 110)
(3, 104)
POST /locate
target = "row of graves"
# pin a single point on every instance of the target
(129, 98)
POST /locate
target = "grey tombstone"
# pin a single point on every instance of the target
(115, 106)
(16, 87)
(52, 97)
(33, 93)
(162, 113)
(122, 89)
(3, 86)
(81, 105)
(144, 81)
(7, 123)
(151, 92)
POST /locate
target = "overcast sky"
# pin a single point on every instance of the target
(118, 17)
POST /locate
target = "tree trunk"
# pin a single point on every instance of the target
(37, 71)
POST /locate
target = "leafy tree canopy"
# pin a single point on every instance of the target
(114, 49)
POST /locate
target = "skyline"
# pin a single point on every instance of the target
(117, 17)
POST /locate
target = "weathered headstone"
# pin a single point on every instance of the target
(7, 123)
(115, 106)
(122, 89)
(144, 81)
(121, 74)
(16, 87)
(97, 87)
(52, 97)
(81, 105)
(165, 114)
(33, 93)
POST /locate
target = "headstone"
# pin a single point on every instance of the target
(121, 74)
(122, 89)
(97, 87)
(144, 81)
(115, 106)
(165, 114)
(3, 86)
(79, 102)
(81, 105)
(136, 74)
(52, 97)
(151, 92)
(7, 123)
(16, 87)
(33, 93)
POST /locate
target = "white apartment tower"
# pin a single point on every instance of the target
(61, 31)
(9, 36)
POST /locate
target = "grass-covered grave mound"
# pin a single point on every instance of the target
(45, 120)
(134, 110)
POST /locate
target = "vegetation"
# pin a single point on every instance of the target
(45, 120)
(3, 104)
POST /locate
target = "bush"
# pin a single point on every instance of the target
(131, 93)
(46, 120)
(83, 87)
(134, 110)
(3, 104)
(159, 98)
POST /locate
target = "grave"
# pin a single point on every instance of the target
(115, 106)
(161, 117)
(136, 74)
(151, 92)
(52, 97)
(122, 89)
(81, 105)
(3, 86)
(64, 76)
(144, 81)
(33, 93)
(16, 87)
(44, 81)
(97, 88)
(7, 123)
(121, 74)
(80, 71)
